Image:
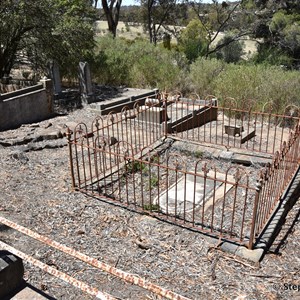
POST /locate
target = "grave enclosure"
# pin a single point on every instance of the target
(27, 105)
(130, 158)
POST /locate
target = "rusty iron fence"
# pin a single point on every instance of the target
(204, 122)
(273, 181)
(122, 158)
(109, 131)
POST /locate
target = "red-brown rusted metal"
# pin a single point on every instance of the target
(130, 278)
(140, 181)
(275, 179)
(237, 214)
(61, 275)
(261, 132)
(68, 134)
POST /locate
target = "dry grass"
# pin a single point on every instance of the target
(136, 30)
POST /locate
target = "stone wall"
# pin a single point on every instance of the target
(28, 105)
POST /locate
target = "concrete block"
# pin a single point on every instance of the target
(11, 272)
(28, 293)
(152, 114)
(227, 155)
(24, 109)
(252, 255)
(241, 251)
(234, 130)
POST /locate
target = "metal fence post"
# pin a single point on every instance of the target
(254, 215)
(165, 105)
(68, 134)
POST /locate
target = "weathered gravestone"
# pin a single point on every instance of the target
(85, 81)
(152, 114)
(55, 76)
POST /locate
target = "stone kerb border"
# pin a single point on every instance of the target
(273, 227)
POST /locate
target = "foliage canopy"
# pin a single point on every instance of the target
(193, 40)
(40, 31)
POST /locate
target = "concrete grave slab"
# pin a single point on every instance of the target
(30, 293)
(189, 193)
(152, 114)
(226, 155)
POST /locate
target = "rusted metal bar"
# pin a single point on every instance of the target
(61, 275)
(205, 171)
(71, 158)
(276, 179)
(254, 216)
(214, 199)
(96, 263)
(244, 210)
(234, 201)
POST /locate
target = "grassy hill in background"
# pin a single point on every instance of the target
(132, 31)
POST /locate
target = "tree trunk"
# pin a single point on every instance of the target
(112, 13)
(150, 24)
(7, 59)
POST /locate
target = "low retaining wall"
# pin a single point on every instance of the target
(195, 119)
(28, 105)
(128, 99)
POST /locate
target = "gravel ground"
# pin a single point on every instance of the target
(36, 193)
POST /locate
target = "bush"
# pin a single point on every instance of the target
(153, 66)
(231, 53)
(142, 65)
(112, 62)
(203, 74)
(269, 55)
(193, 40)
(259, 82)
(138, 64)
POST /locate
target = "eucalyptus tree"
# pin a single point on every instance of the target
(111, 10)
(43, 30)
(221, 16)
(156, 14)
(278, 27)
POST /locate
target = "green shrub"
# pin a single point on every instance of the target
(153, 182)
(142, 65)
(152, 66)
(203, 74)
(193, 40)
(259, 82)
(151, 207)
(113, 61)
(231, 53)
(135, 63)
(269, 55)
(136, 166)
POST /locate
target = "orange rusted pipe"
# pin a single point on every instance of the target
(133, 279)
(63, 276)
